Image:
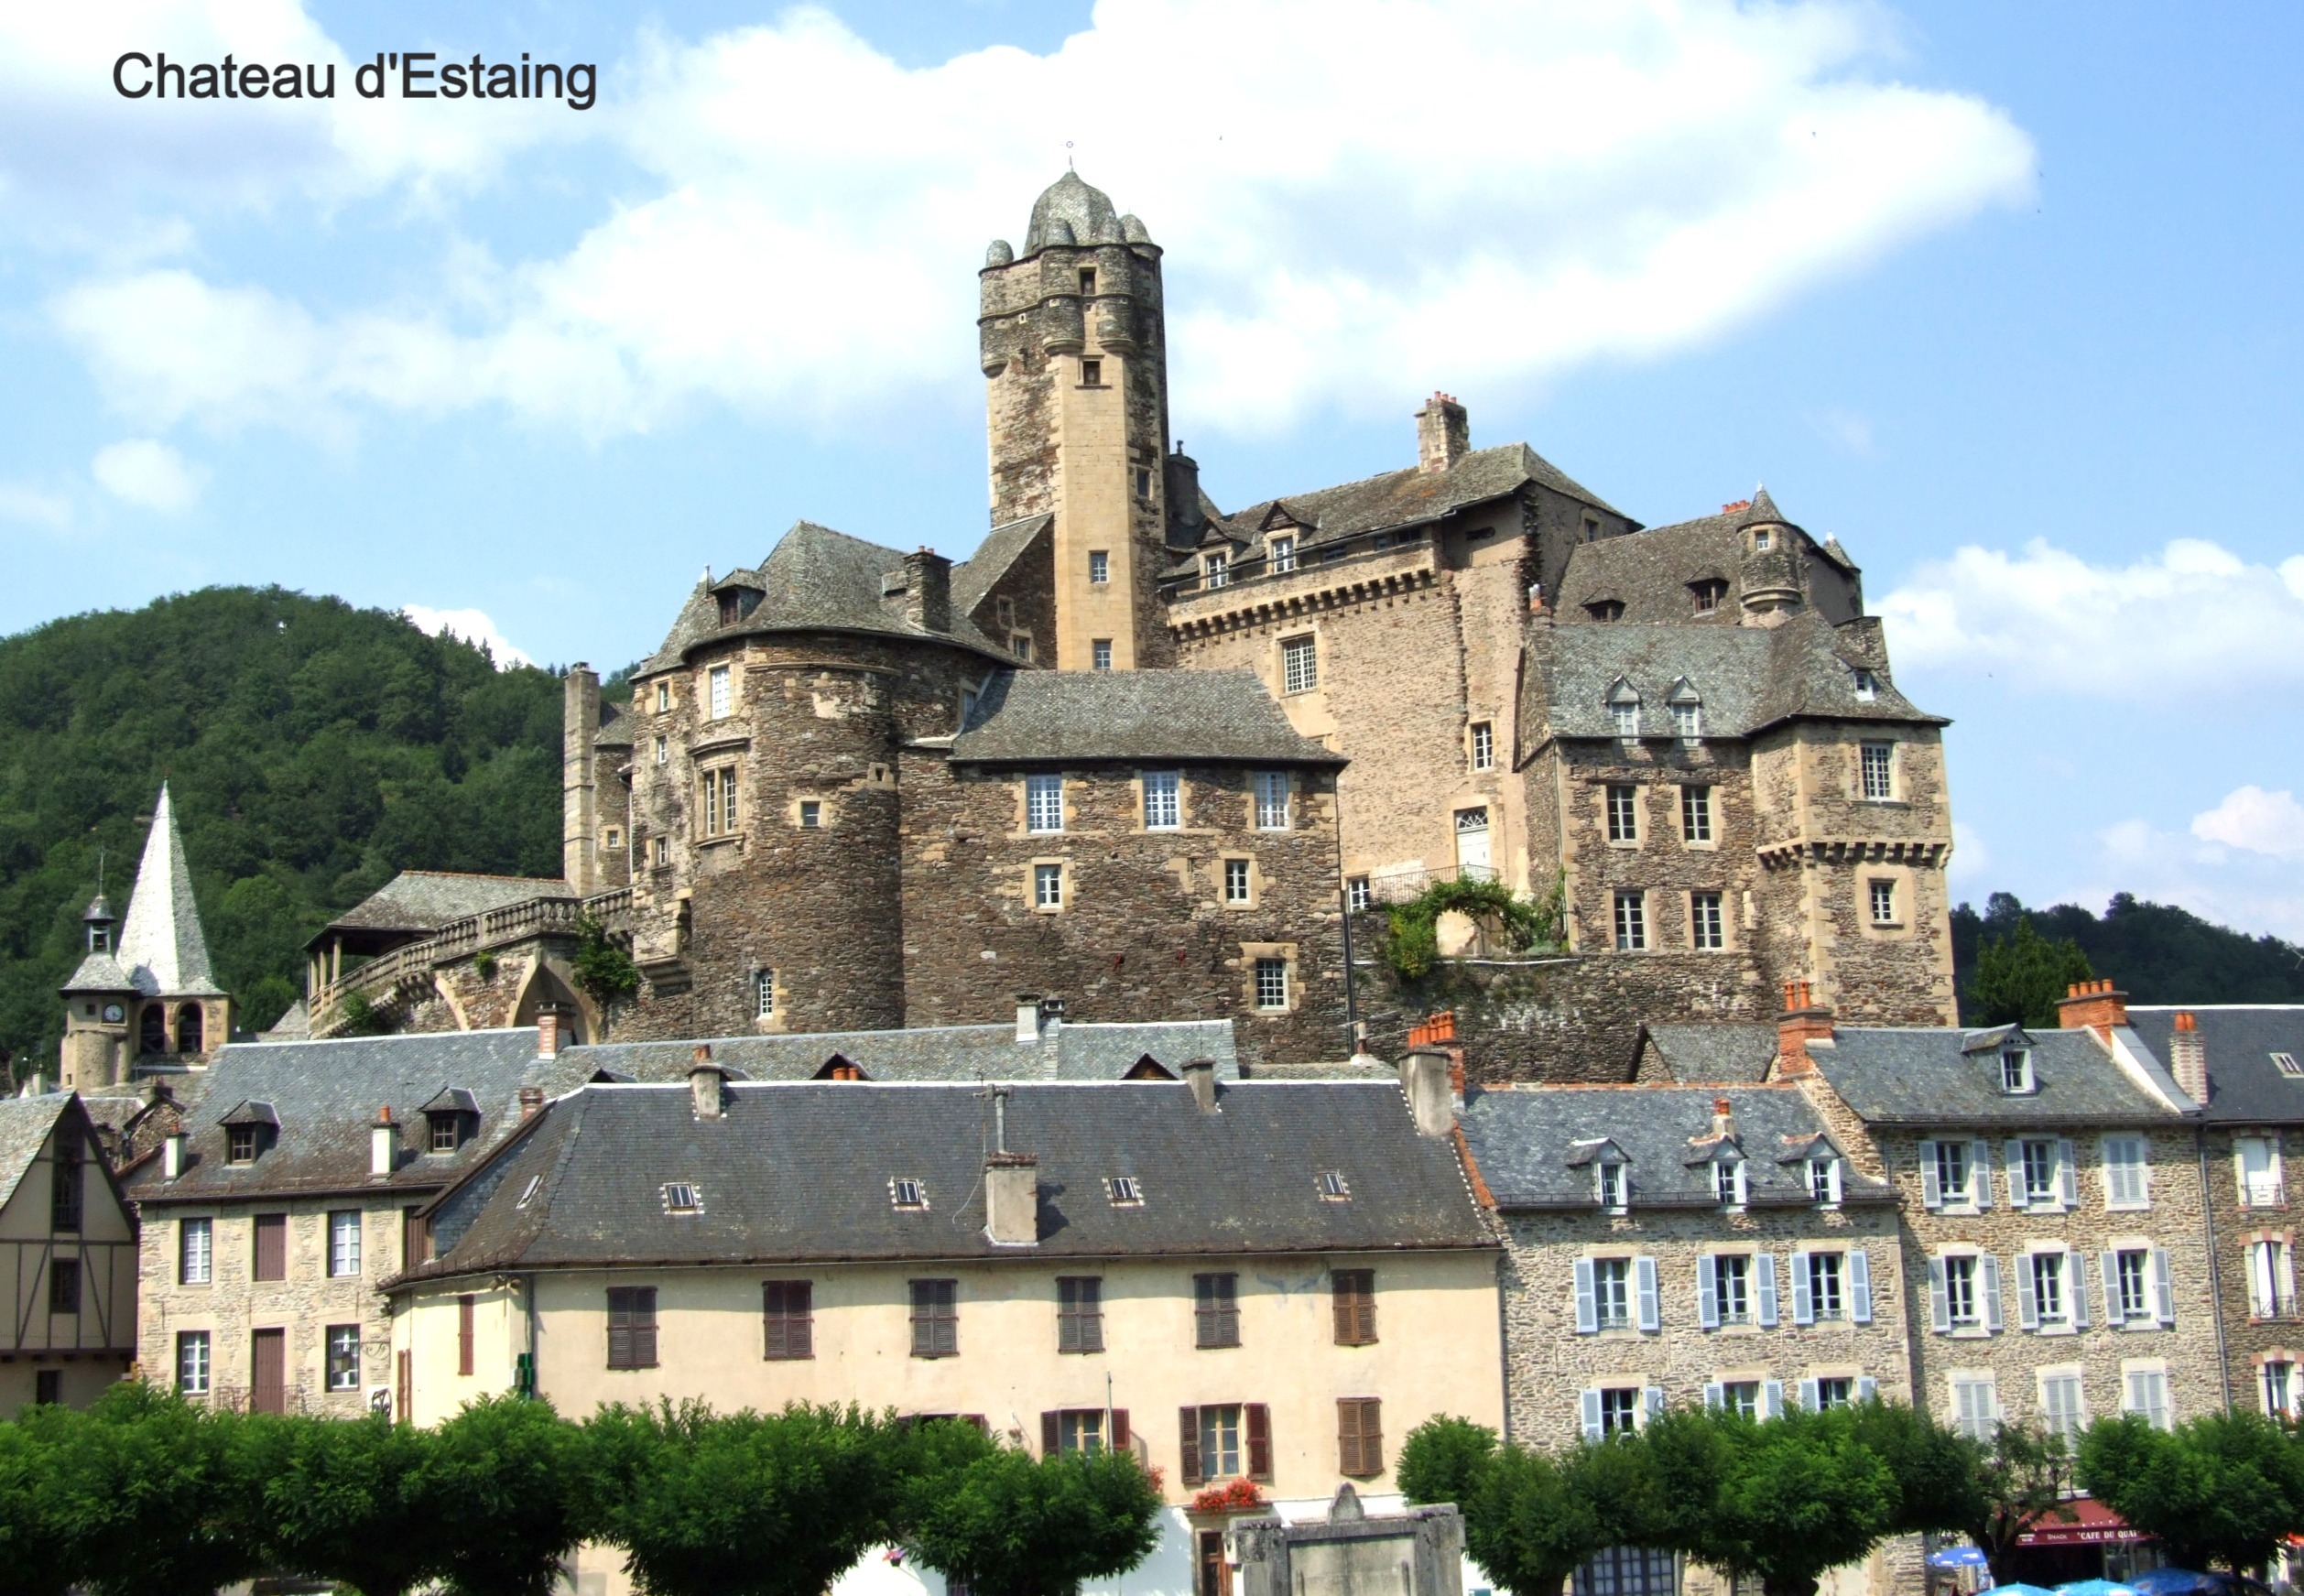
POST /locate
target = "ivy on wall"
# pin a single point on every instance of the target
(1411, 942)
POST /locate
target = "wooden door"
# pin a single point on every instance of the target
(267, 1376)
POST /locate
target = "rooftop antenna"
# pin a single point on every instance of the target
(1067, 155)
(999, 1095)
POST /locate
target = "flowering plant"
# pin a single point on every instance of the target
(1232, 1496)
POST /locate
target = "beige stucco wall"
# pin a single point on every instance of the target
(98, 1339)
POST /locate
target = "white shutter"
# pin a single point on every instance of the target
(1940, 1308)
(2013, 1153)
(1831, 1180)
(1716, 1395)
(1932, 1193)
(1989, 1265)
(1707, 1292)
(1765, 1267)
(2110, 1263)
(2028, 1301)
(1592, 1415)
(2068, 1174)
(2076, 1285)
(1587, 1304)
(1866, 1388)
(1808, 1394)
(1859, 1286)
(1771, 1399)
(2163, 1295)
(1651, 1315)
(1655, 1401)
(1803, 1307)
(1980, 1173)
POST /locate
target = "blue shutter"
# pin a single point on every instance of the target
(1592, 1415)
(1939, 1307)
(1653, 1400)
(1651, 1311)
(1866, 1388)
(1587, 1304)
(1990, 1264)
(2109, 1264)
(1931, 1193)
(1808, 1394)
(1771, 1399)
(2076, 1285)
(2014, 1154)
(2161, 1289)
(1707, 1292)
(1859, 1286)
(2027, 1311)
(1980, 1172)
(1716, 1395)
(1803, 1306)
(2068, 1174)
(1765, 1267)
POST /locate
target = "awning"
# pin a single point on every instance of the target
(2095, 1525)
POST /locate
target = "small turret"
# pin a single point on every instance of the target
(1770, 579)
(100, 922)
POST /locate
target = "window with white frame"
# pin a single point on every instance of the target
(192, 1363)
(1823, 1180)
(2275, 1381)
(1825, 1299)
(1624, 713)
(2128, 1173)
(1731, 1288)
(2036, 1172)
(1953, 1171)
(1867, 685)
(195, 1251)
(2048, 1297)
(344, 1242)
(1741, 1397)
(1044, 804)
(2015, 1071)
(1687, 719)
(1631, 922)
(1048, 886)
(1882, 890)
(664, 751)
(763, 994)
(1624, 812)
(2131, 1284)
(720, 801)
(663, 697)
(1236, 881)
(2144, 1393)
(1283, 555)
(1163, 800)
(1100, 654)
(1619, 1410)
(1272, 984)
(2063, 1408)
(1976, 1406)
(1609, 1184)
(1359, 893)
(1696, 814)
(722, 690)
(1612, 1293)
(1963, 1299)
(1879, 770)
(1484, 745)
(2271, 1289)
(1272, 800)
(662, 853)
(1300, 664)
(1099, 566)
(1834, 1391)
(1707, 926)
(343, 1357)
(1728, 1182)
(2259, 1160)
(1215, 569)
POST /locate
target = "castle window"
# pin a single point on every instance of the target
(663, 697)
(1867, 685)
(1163, 800)
(1144, 483)
(663, 850)
(1606, 610)
(1707, 928)
(1283, 555)
(1212, 569)
(1048, 886)
(1592, 529)
(1272, 800)
(1044, 803)
(1005, 608)
(728, 612)
(1624, 813)
(1760, 541)
(1624, 711)
(1484, 745)
(723, 690)
(664, 751)
(811, 814)
(1099, 565)
(1631, 922)
(1708, 594)
(1883, 898)
(720, 801)
(615, 838)
(1358, 894)
(1696, 814)
(1235, 881)
(1020, 644)
(1687, 719)
(1300, 664)
(1272, 984)
(1879, 770)
(1100, 654)
(1608, 1184)
(1087, 279)
(763, 994)
(1092, 374)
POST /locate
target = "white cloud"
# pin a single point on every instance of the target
(2193, 617)
(150, 474)
(471, 626)
(1603, 180)
(1844, 429)
(2248, 893)
(2257, 821)
(1971, 859)
(34, 507)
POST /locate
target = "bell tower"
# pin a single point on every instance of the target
(1075, 358)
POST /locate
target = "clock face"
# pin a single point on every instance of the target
(114, 1013)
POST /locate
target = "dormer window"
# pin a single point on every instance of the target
(1283, 555)
(1823, 1181)
(249, 1129)
(1708, 594)
(1609, 1185)
(1624, 711)
(1213, 569)
(1688, 714)
(1762, 540)
(445, 1133)
(2015, 1071)
(1606, 610)
(452, 1117)
(240, 1145)
(1728, 1182)
(1867, 685)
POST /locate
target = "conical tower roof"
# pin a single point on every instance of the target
(1762, 512)
(1071, 210)
(161, 943)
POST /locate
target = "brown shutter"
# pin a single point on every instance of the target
(799, 1325)
(1353, 1293)
(1119, 1429)
(271, 1260)
(644, 1327)
(463, 1335)
(404, 1399)
(1347, 1436)
(1339, 1301)
(1051, 1434)
(416, 1239)
(1188, 1422)
(268, 1379)
(1259, 1442)
(1372, 1436)
(1359, 1437)
(1366, 1327)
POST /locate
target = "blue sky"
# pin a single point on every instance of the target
(2003, 297)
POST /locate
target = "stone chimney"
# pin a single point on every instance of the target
(384, 1144)
(552, 1031)
(172, 1155)
(1027, 1017)
(531, 1101)
(1199, 1074)
(928, 590)
(705, 1081)
(1802, 1022)
(1425, 1077)
(579, 723)
(2093, 1006)
(1724, 1117)
(1443, 434)
(1184, 519)
(2188, 1057)
(1012, 1200)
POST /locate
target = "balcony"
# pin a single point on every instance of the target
(2264, 1194)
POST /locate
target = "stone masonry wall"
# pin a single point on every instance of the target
(2253, 1337)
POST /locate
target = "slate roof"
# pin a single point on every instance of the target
(1749, 678)
(1532, 1146)
(162, 947)
(800, 1172)
(939, 1053)
(1927, 1076)
(616, 728)
(1200, 716)
(1071, 210)
(425, 900)
(1000, 550)
(325, 1096)
(99, 972)
(25, 1124)
(815, 579)
(2244, 1086)
(1731, 1050)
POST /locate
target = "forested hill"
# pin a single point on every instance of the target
(312, 749)
(2157, 953)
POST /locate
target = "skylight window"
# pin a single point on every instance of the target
(681, 1197)
(1333, 1187)
(527, 1192)
(2287, 1065)
(908, 1193)
(1867, 685)
(1125, 1190)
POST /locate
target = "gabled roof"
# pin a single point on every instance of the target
(1219, 716)
(1722, 1051)
(25, 1125)
(1002, 547)
(616, 728)
(2244, 1086)
(162, 947)
(940, 1053)
(1532, 1146)
(1924, 1076)
(799, 1172)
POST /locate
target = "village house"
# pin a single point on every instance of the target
(68, 1282)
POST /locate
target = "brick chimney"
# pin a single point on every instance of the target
(384, 1143)
(2093, 1006)
(1443, 434)
(1426, 1076)
(928, 590)
(1803, 1021)
(705, 1080)
(531, 1101)
(2188, 1058)
(1724, 1117)
(1199, 1074)
(552, 1031)
(1012, 1200)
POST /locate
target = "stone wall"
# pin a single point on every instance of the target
(2252, 1337)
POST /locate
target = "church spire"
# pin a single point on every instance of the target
(161, 943)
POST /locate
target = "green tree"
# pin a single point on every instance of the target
(39, 1538)
(1795, 1497)
(152, 1484)
(2022, 1479)
(2020, 976)
(1013, 1525)
(602, 969)
(1935, 1468)
(2223, 1488)
(751, 1504)
(511, 1496)
(1532, 1518)
(350, 1500)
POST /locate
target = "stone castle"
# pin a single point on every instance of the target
(1150, 758)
